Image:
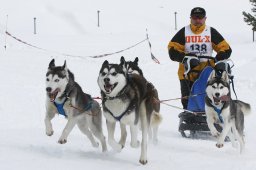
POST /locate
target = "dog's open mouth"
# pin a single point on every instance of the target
(223, 98)
(53, 95)
(109, 87)
(216, 100)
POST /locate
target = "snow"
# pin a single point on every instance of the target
(71, 28)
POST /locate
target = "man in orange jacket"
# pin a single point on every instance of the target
(196, 39)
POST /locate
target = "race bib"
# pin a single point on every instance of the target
(199, 44)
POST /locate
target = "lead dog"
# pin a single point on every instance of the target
(124, 100)
(65, 96)
(220, 108)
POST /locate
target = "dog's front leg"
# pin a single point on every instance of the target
(123, 134)
(225, 130)
(210, 123)
(144, 129)
(69, 126)
(48, 125)
(111, 140)
(134, 136)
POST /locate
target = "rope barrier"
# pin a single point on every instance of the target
(82, 57)
(152, 56)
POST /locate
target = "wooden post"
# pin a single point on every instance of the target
(253, 35)
(34, 25)
(98, 18)
(175, 13)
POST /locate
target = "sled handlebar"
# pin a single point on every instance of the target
(207, 57)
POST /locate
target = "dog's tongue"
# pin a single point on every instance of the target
(224, 98)
(52, 97)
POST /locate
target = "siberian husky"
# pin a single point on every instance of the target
(220, 108)
(132, 67)
(65, 96)
(126, 99)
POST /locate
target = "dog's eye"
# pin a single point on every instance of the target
(213, 87)
(47, 79)
(221, 87)
(57, 80)
(103, 74)
(114, 74)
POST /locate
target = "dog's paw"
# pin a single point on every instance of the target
(143, 162)
(49, 133)
(135, 144)
(219, 145)
(62, 141)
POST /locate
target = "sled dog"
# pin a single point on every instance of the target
(64, 96)
(132, 67)
(126, 99)
(220, 108)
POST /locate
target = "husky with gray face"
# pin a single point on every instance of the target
(64, 96)
(125, 99)
(220, 108)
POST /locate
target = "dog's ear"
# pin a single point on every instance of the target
(212, 75)
(64, 67)
(136, 60)
(51, 64)
(122, 60)
(224, 76)
(105, 63)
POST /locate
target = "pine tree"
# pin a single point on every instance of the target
(250, 19)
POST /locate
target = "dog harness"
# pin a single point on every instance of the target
(62, 111)
(127, 111)
(60, 107)
(218, 111)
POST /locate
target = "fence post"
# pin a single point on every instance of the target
(34, 25)
(253, 35)
(98, 18)
(175, 13)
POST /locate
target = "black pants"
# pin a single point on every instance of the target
(185, 86)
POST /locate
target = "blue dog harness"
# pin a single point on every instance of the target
(61, 110)
(60, 107)
(218, 111)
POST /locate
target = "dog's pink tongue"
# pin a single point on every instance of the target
(224, 98)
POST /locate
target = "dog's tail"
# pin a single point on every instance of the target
(156, 119)
(245, 107)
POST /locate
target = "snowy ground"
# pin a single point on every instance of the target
(71, 28)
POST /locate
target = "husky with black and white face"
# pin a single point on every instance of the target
(132, 67)
(221, 109)
(124, 100)
(65, 96)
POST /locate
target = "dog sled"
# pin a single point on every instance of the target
(193, 119)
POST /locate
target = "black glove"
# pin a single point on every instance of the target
(190, 62)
